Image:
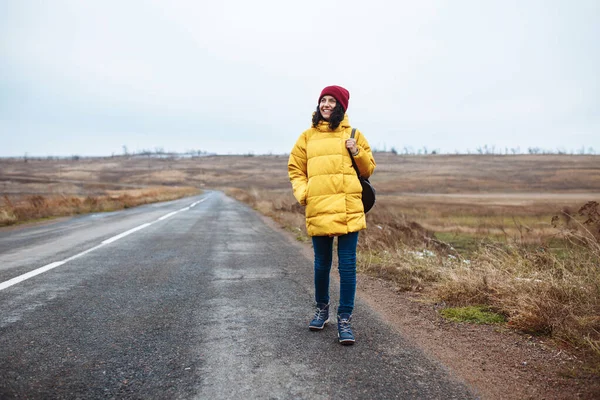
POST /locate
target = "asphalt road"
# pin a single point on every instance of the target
(202, 302)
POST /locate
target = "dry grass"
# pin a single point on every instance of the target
(551, 289)
(540, 291)
(34, 207)
(483, 175)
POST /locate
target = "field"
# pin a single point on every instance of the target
(508, 234)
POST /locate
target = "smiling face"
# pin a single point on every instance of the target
(326, 106)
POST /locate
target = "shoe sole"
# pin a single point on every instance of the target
(346, 342)
(316, 328)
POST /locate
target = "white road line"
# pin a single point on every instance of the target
(84, 252)
(198, 202)
(122, 235)
(167, 216)
(55, 264)
(30, 274)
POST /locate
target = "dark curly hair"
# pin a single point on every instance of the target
(336, 118)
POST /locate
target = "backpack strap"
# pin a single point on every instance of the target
(351, 156)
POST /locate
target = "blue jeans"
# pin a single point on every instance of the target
(323, 247)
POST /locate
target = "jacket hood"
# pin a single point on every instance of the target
(323, 126)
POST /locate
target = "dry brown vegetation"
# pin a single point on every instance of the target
(34, 207)
(40, 189)
(463, 230)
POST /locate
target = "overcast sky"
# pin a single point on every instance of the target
(238, 76)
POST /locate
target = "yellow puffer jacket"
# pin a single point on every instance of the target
(323, 179)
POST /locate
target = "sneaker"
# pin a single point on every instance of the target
(321, 317)
(345, 335)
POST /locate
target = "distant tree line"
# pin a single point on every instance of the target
(159, 152)
(488, 150)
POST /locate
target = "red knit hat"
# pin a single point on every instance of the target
(340, 94)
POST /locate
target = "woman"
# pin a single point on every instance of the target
(323, 180)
